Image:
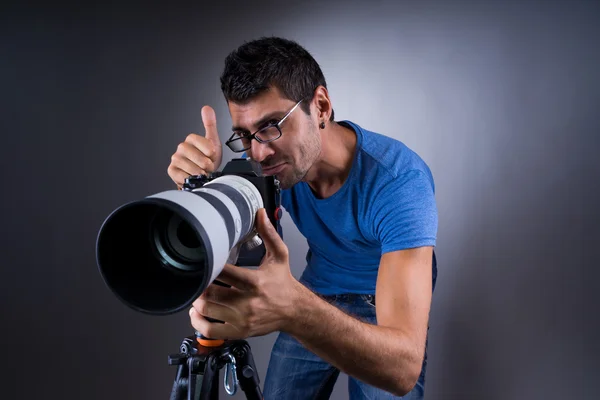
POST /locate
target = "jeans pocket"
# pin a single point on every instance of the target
(369, 299)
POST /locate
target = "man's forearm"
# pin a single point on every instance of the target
(380, 356)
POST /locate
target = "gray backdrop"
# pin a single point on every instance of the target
(500, 98)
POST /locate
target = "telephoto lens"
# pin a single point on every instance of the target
(159, 254)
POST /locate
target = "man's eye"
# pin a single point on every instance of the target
(241, 134)
(270, 123)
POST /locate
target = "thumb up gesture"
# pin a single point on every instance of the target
(198, 154)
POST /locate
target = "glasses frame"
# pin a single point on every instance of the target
(235, 137)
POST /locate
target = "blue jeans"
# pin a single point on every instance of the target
(295, 373)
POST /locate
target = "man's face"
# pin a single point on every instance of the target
(292, 155)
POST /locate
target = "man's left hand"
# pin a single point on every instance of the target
(259, 302)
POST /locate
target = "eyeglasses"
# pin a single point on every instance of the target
(240, 141)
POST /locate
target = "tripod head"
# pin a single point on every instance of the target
(199, 362)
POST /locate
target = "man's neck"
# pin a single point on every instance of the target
(328, 174)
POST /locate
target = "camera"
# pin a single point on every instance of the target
(158, 254)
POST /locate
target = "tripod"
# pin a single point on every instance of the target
(199, 362)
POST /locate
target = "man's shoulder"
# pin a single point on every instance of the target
(378, 151)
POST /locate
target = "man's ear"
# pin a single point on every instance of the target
(322, 103)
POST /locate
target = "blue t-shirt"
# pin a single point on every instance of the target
(387, 203)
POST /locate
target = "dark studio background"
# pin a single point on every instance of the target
(502, 99)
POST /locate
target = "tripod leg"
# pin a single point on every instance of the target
(247, 374)
(210, 379)
(179, 386)
(214, 391)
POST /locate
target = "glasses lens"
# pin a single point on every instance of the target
(268, 133)
(239, 144)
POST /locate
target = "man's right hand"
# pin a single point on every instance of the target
(197, 155)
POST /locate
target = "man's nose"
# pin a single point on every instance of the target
(260, 151)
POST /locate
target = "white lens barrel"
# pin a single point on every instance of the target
(209, 218)
(248, 192)
(226, 208)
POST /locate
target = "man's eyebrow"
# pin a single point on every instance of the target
(272, 115)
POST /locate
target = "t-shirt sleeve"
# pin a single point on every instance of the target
(404, 213)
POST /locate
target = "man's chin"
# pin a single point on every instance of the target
(283, 183)
(287, 180)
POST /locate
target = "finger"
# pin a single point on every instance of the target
(209, 120)
(273, 243)
(186, 165)
(194, 154)
(216, 311)
(214, 330)
(196, 143)
(243, 279)
(178, 175)
(226, 296)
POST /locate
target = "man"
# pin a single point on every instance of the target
(366, 205)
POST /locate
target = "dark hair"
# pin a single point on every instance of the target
(271, 61)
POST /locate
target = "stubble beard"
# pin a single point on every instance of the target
(310, 151)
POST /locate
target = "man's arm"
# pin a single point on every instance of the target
(388, 355)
